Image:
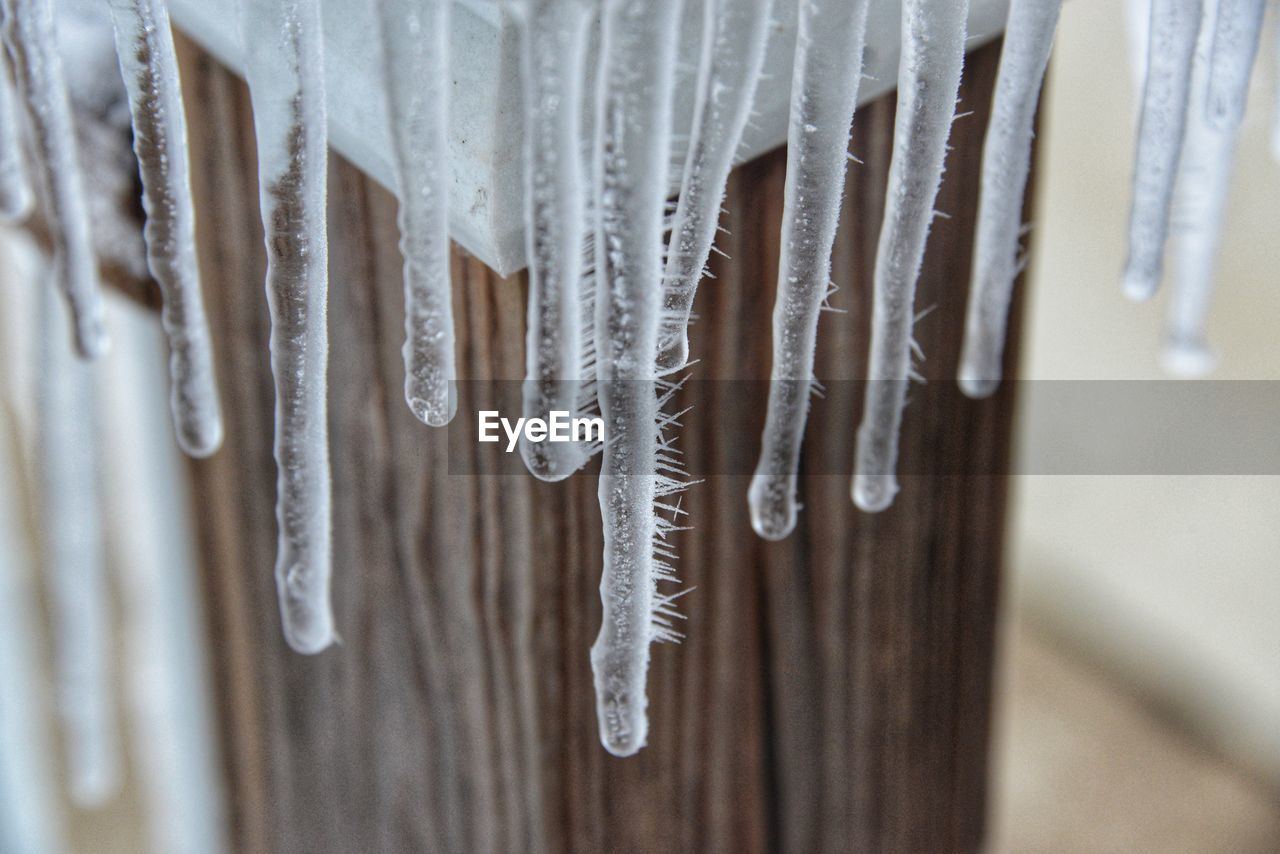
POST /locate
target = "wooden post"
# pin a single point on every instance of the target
(834, 690)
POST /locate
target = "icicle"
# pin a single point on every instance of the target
(174, 765)
(1161, 130)
(144, 45)
(28, 815)
(1200, 203)
(80, 608)
(32, 42)
(735, 32)
(285, 70)
(415, 55)
(553, 53)
(1237, 30)
(632, 152)
(15, 191)
(1006, 162)
(824, 94)
(933, 35)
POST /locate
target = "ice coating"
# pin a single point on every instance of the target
(284, 67)
(824, 94)
(144, 44)
(633, 137)
(1006, 163)
(32, 42)
(1237, 29)
(933, 35)
(553, 53)
(1161, 130)
(734, 37)
(415, 54)
(1200, 203)
(75, 571)
(15, 189)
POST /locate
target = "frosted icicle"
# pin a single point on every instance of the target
(1006, 162)
(15, 191)
(144, 45)
(1200, 204)
(632, 152)
(1161, 130)
(933, 35)
(79, 604)
(824, 94)
(1237, 29)
(734, 37)
(285, 70)
(415, 55)
(29, 34)
(553, 53)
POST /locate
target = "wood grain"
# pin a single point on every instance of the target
(833, 693)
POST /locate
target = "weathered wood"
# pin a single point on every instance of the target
(833, 693)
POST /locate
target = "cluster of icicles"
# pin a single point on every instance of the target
(607, 335)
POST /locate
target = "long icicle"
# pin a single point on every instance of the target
(734, 38)
(285, 70)
(553, 54)
(633, 128)
(16, 199)
(824, 95)
(1161, 131)
(933, 36)
(1200, 199)
(144, 45)
(75, 572)
(1006, 162)
(32, 41)
(415, 60)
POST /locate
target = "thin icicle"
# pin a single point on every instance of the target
(1237, 29)
(632, 151)
(824, 95)
(553, 53)
(1161, 130)
(1006, 162)
(285, 70)
(415, 58)
(734, 37)
(1200, 204)
(29, 820)
(933, 36)
(15, 190)
(80, 607)
(33, 47)
(144, 45)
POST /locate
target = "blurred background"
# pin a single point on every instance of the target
(1140, 708)
(1139, 698)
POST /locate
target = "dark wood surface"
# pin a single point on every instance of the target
(834, 690)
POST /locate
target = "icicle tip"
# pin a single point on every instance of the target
(874, 493)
